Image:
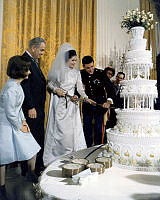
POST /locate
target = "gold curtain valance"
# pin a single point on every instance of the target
(150, 36)
(57, 21)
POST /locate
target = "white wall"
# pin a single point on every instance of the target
(112, 41)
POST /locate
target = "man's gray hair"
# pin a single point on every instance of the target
(36, 42)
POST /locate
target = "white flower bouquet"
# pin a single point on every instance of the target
(137, 18)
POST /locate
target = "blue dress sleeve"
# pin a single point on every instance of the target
(22, 115)
(11, 109)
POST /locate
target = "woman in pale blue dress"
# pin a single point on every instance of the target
(64, 132)
(16, 141)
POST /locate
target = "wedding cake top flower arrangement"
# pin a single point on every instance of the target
(135, 18)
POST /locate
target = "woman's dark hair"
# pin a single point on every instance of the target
(87, 60)
(17, 67)
(110, 69)
(70, 54)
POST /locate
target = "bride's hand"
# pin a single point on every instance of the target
(74, 99)
(60, 92)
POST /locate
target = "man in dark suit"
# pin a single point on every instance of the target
(113, 89)
(118, 101)
(157, 103)
(35, 95)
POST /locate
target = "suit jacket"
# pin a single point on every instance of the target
(157, 103)
(118, 101)
(34, 87)
(158, 74)
(109, 87)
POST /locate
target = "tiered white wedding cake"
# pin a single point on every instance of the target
(135, 140)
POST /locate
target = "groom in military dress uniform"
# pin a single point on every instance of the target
(93, 81)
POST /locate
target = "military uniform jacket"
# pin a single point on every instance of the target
(94, 89)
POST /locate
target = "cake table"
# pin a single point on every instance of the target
(114, 184)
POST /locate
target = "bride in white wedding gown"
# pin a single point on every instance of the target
(64, 132)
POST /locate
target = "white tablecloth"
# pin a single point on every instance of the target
(115, 184)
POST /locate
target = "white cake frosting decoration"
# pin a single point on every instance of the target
(135, 140)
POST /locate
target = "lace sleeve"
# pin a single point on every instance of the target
(80, 87)
(52, 86)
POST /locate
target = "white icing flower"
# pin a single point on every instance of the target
(143, 20)
(134, 12)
